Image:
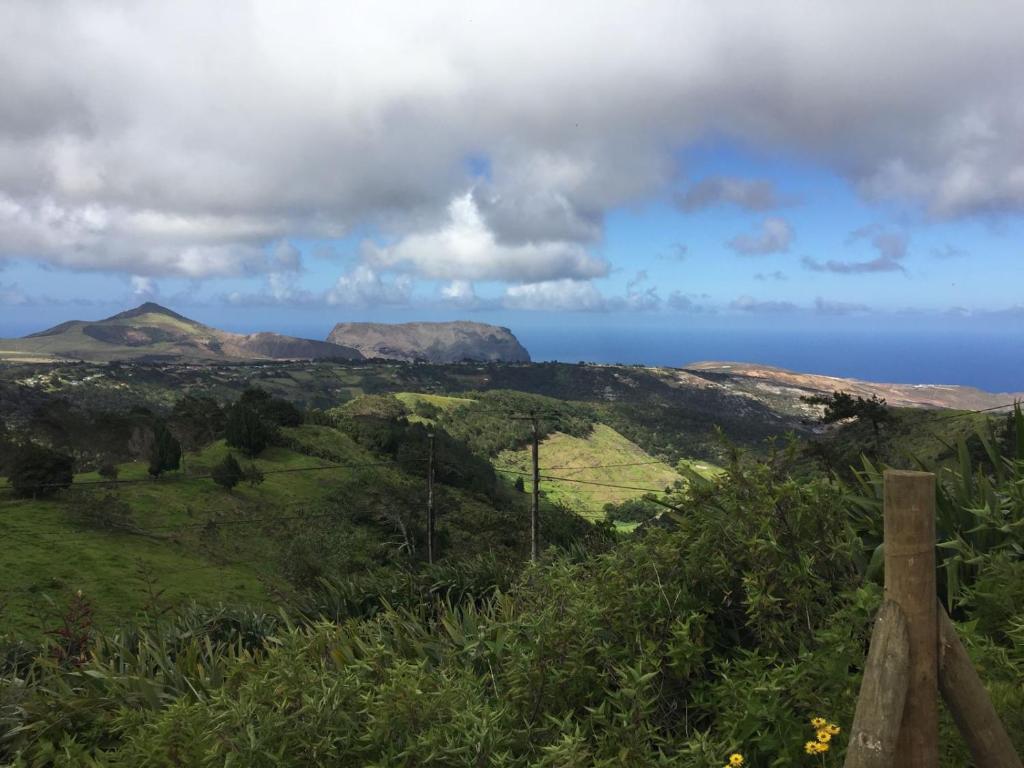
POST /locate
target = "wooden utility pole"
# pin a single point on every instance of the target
(535, 506)
(910, 584)
(430, 498)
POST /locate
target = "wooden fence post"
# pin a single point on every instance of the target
(883, 692)
(969, 702)
(910, 583)
(430, 498)
(535, 501)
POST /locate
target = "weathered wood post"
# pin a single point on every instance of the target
(535, 501)
(883, 692)
(430, 498)
(910, 583)
(969, 702)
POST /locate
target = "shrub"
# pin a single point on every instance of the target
(227, 473)
(36, 471)
(108, 471)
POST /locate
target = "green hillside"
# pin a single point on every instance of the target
(326, 506)
(601, 459)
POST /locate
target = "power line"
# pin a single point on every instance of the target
(184, 478)
(593, 466)
(584, 482)
(960, 414)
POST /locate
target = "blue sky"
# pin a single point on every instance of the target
(680, 166)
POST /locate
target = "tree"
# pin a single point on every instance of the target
(108, 471)
(165, 451)
(36, 471)
(247, 430)
(274, 410)
(842, 405)
(227, 473)
(196, 421)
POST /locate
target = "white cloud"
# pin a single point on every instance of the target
(366, 288)
(831, 307)
(143, 287)
(750, 304)
(165, 139)
(751, 194)
(773, 236)
(556, 296)
(464, 248)
(693, 303)
(461, 293)
(891, 248)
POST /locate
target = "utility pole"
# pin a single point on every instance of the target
(430, 499)
(535, 507)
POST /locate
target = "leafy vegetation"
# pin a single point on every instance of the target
(36, 471)
(724, 633)
(592, 467)
(294, 620)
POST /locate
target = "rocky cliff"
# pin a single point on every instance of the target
(432, 342)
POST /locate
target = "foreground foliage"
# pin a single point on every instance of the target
(719, 633)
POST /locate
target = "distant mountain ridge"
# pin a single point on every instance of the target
(153, 332)
(783, 389)
(451, 342)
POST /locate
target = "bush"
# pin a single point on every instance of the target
(227, 473)
(36, 471)
(632, 511)
(108, 471)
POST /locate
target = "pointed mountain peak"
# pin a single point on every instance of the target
(149, 308)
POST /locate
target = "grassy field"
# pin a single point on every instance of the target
(190, 539)
(447, 404)
(189, 536)
(561, 454)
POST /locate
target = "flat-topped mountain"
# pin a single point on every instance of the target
(433, 342)
(153, 332)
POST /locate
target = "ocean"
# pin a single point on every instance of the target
(988, 361)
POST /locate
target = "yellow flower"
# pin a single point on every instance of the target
(811, 747)
(824, 736)
(832, 728)
(735, 759)
(819, 722)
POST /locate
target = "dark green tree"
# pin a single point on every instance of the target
(247, 430)
(196, 421)
(274, 410)
(842, 405)
(36, 471)
(227, 473)
(164, 452)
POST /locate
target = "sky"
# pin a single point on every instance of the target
(700, 166)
